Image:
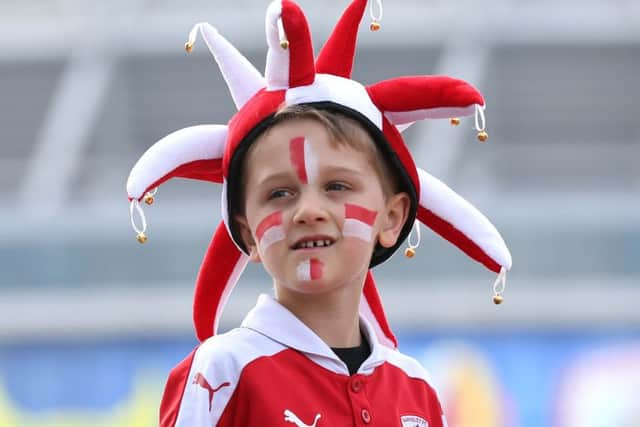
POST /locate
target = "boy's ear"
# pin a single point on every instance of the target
(396, 214)
(247, 237)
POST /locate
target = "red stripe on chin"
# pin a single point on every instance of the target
(315, 267)
(270, 221)
(360, 213)
(296, 151)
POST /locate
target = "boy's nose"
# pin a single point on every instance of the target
(309, 210)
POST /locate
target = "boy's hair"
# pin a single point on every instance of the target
(342, 130)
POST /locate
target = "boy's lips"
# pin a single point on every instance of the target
(317, 241)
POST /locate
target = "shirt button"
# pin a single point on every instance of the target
(366, 416)
(356, 385)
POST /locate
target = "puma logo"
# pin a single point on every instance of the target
(292, 418)
(202, 382)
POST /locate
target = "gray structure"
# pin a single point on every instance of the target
(85, 88)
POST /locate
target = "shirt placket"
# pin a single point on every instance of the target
(360, 404)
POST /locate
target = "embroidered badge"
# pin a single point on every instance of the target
(202, 382)
(413, 421)
(292, 418)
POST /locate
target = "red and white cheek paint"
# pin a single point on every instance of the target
(309, 270)
(304, 159)
(270, 230)
(358, 222)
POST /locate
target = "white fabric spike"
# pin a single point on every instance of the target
(277, 67)
(243, 79)
(203, 142)
(450, 206)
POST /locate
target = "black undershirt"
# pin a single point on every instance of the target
(354, 356)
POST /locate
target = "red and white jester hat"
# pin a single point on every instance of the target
(294, 77)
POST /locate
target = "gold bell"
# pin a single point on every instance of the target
(483, 136)
(375, 26)
(497, 299)
(455, 121)
(284, 44)
(409, 252)
(188, 46)
(141, 237)
(148, 198)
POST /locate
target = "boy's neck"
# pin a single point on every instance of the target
(333, 315)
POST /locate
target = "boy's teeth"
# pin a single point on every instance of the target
(315, 244)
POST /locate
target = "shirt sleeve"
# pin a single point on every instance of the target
(196, 392)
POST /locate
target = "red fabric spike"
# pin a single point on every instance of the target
(302, 70)
(455, 236)
(263, 104)
(423, 92)
(222, 266)
(375, 303)
(338, 53)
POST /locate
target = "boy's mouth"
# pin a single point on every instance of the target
(313, 242)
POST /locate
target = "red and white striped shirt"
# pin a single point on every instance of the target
(275, 371)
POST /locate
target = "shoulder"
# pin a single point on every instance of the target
(200, 387)
(408, 365)
(235, 349)
(413, 378)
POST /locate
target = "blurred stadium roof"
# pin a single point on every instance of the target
(85, 88)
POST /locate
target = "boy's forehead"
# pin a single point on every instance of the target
(271, 152)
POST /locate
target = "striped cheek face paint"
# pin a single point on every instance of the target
(309, 270)
(270, 230)
(304, 159)
(358, 222)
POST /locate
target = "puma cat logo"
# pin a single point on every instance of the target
(292, 418)
(202, 382)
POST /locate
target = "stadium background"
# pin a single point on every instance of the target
(91, 321)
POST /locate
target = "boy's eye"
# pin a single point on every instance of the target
(279, 193)
(337, 186)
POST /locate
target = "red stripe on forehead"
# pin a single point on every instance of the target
(315, 268)
(296, 151)
(270, 221)
(360, 213)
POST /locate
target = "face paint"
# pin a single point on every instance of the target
(309, 270)
(358, 222)
(304, 159)
(270, 230)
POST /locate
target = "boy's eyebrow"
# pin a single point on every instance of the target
(274, 177)
(332, 168)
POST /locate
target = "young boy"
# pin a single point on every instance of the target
(319, 187)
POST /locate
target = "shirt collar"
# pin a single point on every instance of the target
(273, 320)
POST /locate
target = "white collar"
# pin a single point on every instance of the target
(273, 320)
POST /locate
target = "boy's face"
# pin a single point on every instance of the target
(314, 210)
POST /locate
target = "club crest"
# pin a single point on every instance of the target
(413, 421)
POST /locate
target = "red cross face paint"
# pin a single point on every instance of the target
(309, 270)
(358, 222)
(304, 159)
(270, 230)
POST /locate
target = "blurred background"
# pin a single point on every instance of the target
(91, 322)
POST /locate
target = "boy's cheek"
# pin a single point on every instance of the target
(270, 230)
(358, 222)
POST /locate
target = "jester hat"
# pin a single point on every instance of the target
(293, 77)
